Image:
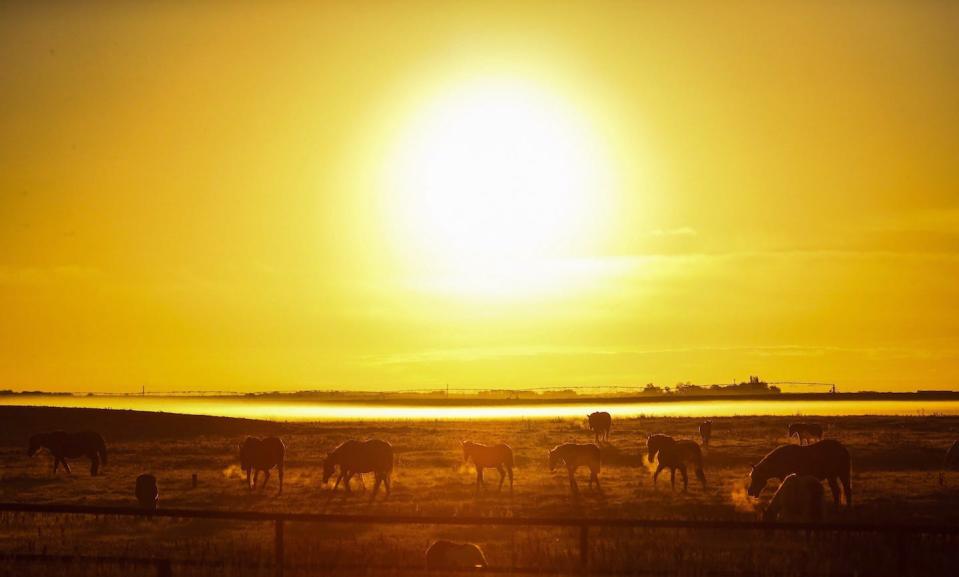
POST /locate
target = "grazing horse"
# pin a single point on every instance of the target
(147, 493)
(262, 455)
(454, 556)
(805, 432)
(574, 456)
(828, 459)
(950, 462)
(797, 500)
(600, 423)
(498, 456)
(674, 455)
(706, 432)
(354, 457)
(63, 445)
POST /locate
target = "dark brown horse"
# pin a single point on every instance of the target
(147, 493)
(600, 423)
(63, 445)
(805, 432)
(450, 556)
(674, 455)
(798, 500)
(827, 460)
(262, 455)
(352, 457)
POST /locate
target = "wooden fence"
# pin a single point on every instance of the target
(899, 531)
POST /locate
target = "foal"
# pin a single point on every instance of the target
(573, 456)
(499, 457)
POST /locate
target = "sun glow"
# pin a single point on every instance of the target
(494, 183)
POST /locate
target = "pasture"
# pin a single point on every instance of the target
(895, 478)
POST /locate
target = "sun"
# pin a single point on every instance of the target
(492, 179)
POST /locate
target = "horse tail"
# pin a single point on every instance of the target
(101, 448)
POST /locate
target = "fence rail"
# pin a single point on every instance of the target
(584, 524)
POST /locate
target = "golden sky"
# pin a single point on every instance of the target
(505, 194)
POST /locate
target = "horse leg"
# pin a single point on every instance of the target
(672, 477)
(572, 481)
(659, 470)
(56, 464)
(387, 482)
(834, 487)
(682, 469)
(502, 476)
(337, 484)
(66, 465)
(594, 477)
(846, 488)
(479, 478)
(510, 470)
(248, 484)
(376, 486)
(266, 478)
(94, 465)
(281, 479)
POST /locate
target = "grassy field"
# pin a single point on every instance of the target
(895, 469)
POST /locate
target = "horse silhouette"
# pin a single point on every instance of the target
(600, 423)
(498, 456)
(352, 457)
(826, 460)
(451, 556)
(258, 455)
(805, 432)
(146, 492)
(798, 499)
(573, 456)
(706, 432)
(950, 462)
(674, 455)
(63, 445)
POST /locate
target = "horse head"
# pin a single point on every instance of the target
(466, 451)
(756, 482)
(653, 446)
(36, 441)
(329, 467)
(553, 458)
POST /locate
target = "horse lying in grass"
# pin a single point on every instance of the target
(600, 423)
(499, 457)
(797, 500)
(674, 455)
(805, 432)
(63, 445)
(826, 460)
(262, 455)
(575, 456)
(450, 556)
(354, 457)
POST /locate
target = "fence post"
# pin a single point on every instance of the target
(902, 550)
(279, 548)
(584, 546)
(163, 568)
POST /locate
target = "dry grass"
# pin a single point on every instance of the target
(895, 464)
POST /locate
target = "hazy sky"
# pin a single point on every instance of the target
(404, 195)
